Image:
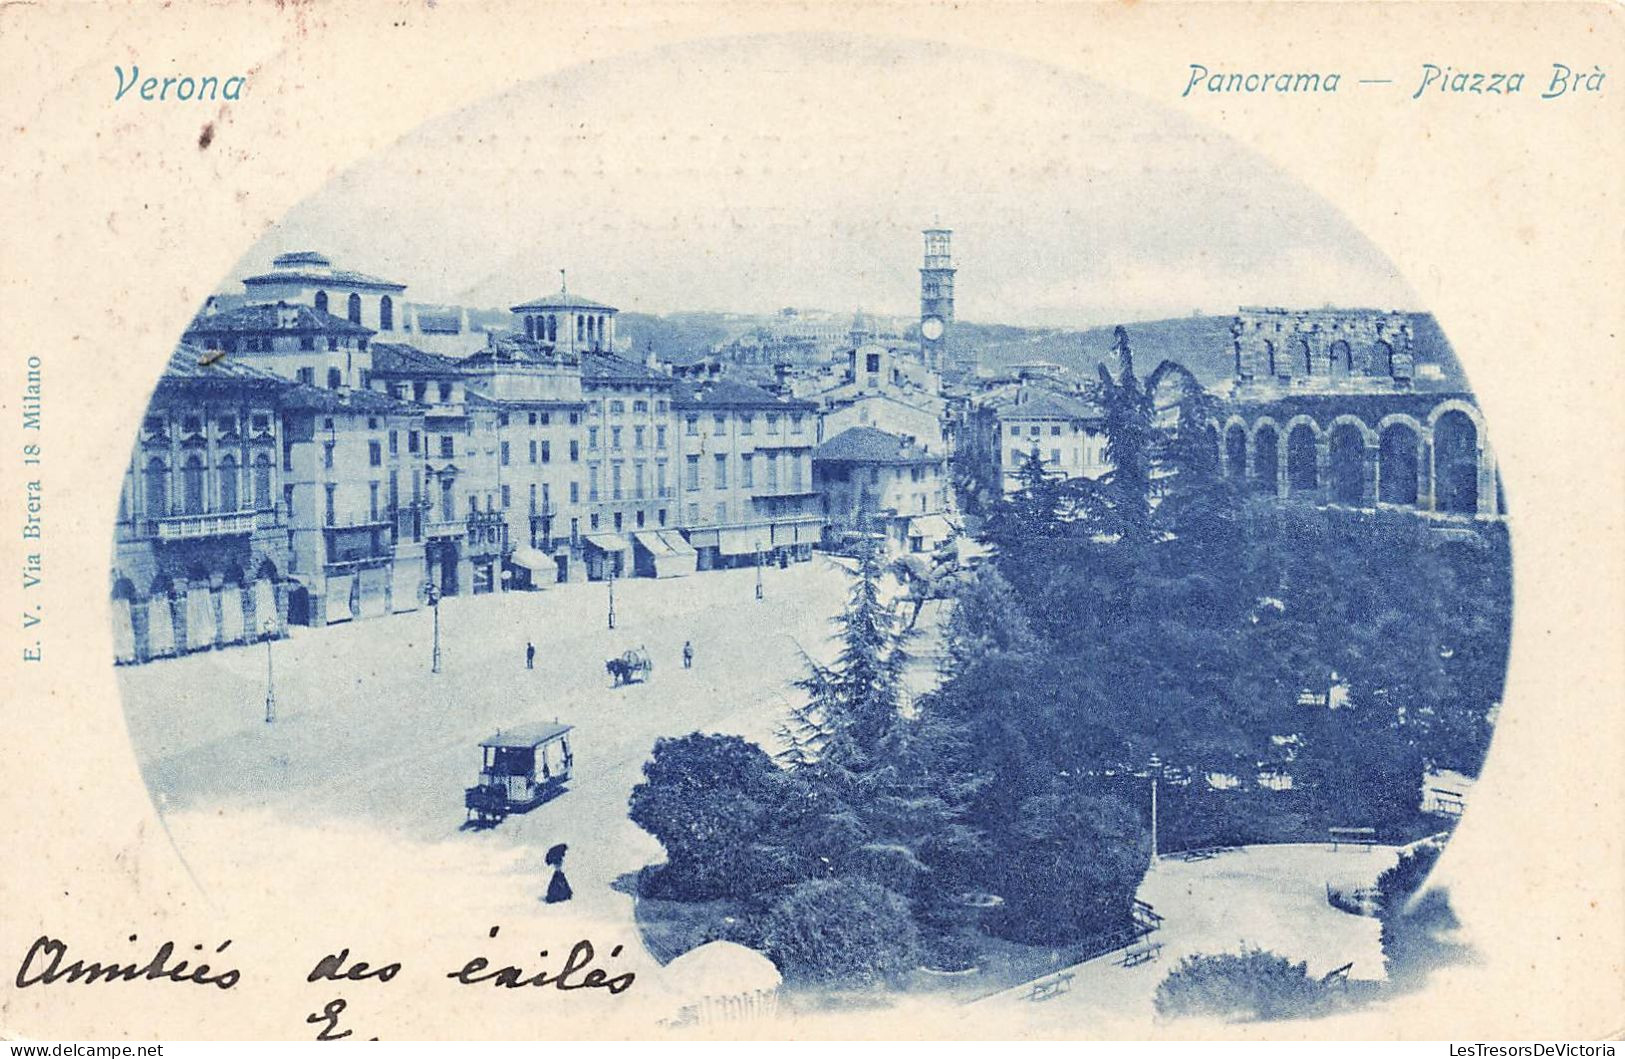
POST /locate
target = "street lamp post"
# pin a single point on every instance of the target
(270, 674)
(758, 569)
(431, 594)
(1156, 769)
(612, 594)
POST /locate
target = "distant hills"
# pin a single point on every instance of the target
(1201, 343)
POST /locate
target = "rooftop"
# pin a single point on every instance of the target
(302, 397)
(563, 300)
(869, 445)
(311, 267)
(527, 735)
(189, 362)
(607, 367)
(1045, 405)
(278, 317)
(396, 358)
(729, 393)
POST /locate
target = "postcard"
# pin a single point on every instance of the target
(846, 520)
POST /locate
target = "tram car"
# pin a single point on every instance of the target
(521, 768)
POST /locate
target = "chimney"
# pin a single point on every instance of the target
(462, 321)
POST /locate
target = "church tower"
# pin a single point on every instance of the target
(936, 297)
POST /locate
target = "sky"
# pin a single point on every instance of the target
(758, 173)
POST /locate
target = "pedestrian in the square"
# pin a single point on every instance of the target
(558, 887)
(688, 655)
(530, 655)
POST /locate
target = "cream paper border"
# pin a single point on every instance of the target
(1504, 214)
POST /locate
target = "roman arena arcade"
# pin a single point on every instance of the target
(1430, 454)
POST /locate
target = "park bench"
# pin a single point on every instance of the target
(1135, 955)
(1146, 918)
(1050, 986)
(1365, 837)
(1450, 803)
(1338, 976)
(1200, 853)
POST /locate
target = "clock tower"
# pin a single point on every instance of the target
(936, 297)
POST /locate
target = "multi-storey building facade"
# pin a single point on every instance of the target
(630, 449)
(294, 341)
(201, 545)
(870, 481)
(534, 394)
(1067, 433)
(309, 278)
(465, 532)
(746, 491)
(352, 472)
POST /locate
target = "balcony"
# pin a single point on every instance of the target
(198, 527)
(445, 528)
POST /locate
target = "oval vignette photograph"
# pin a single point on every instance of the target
(947, 533)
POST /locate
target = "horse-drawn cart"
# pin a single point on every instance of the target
(522, 768)
(633, 667)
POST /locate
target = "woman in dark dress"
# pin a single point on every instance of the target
(558, 887)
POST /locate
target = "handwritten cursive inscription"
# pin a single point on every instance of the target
(44, 965)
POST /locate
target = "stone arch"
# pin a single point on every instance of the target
(1235, 449)
(1456, 459)
(1269, 357)
(1382, 358)
(230, 481)
(1302, 456)
(1302, 359)
(321, 301)
(386, 314)
(352, 309)
(1367, 435)
(1341, 359)
(1399, 460)
(1346, 463)
(192, 473)
(1266, 456)
(1456, 404)
(156, 487)
(262, 482)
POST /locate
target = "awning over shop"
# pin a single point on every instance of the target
(663, 544)
(931, 527)
(742, 541)
(338, 598)
(675, 542)
(608, 542)
(802, 531)
(702, 538)
(532, 559)
(664, 553)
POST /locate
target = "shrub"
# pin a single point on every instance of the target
(726, 815)
(954, 951)
(1070, 865)
(1415, 933)
(1251, 984)
(850, 933)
